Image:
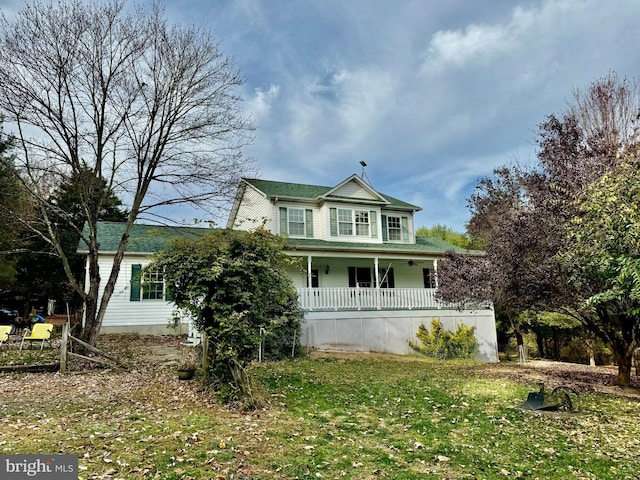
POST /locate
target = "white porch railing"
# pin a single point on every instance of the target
(357, 298)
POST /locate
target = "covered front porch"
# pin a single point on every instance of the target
(362, 298)
(357, 282)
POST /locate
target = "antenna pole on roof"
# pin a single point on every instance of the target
(363, 175)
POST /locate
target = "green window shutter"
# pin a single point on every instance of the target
(136, 274)
(405, 229)
(333, 218)
(308, 220)
(283, 221)
(373, 218)
(385, 235)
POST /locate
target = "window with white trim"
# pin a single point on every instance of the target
(153, 285)
(362, 223)
(345, 221)
(350, 221)
(394, 228)
(296, 222)
(147, 285)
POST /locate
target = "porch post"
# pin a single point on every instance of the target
(435, 271)
(435, 276)
(375, 269)
(310, 284)
(376, 265)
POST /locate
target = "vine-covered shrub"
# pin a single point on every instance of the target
(443, 344)
(236, 286)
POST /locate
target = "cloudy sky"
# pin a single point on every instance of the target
(431, 94)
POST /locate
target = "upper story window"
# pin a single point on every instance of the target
(395, 228)
(345, 221)
(362, 223)
(353, 222)
(296, 222)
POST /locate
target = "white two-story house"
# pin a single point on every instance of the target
(368, 281)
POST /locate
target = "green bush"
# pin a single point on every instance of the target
(236, 286)
(443, 344)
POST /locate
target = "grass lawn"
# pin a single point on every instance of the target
(329, 416)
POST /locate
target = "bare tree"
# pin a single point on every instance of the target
(607, 112)
(147, 106)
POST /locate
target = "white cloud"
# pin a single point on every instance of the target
(527, 29)
(366, 96)
(476, 43)
(260, 104)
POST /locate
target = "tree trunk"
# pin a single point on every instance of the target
(520, 342)
(623, 358)
(556, 344)
(540, 341)
(591, 348)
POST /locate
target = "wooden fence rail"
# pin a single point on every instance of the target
(66, 351)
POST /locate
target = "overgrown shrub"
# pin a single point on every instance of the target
(236, 286)
(443, 344)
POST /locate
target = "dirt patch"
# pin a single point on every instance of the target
(582, 378)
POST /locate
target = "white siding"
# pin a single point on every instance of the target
(353, 190)
(254, 209)
(144, 316)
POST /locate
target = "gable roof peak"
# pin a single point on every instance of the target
(362, 184)
(305, 192)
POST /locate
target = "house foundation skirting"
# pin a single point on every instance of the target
(144, 329)
(391, 331)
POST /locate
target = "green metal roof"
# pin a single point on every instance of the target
(423, 245)
(143, 239)
(311, 192)
(147, 239)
